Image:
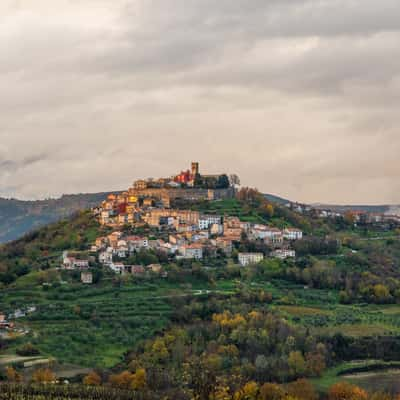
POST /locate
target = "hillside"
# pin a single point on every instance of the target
(318, 315)
(18, 217)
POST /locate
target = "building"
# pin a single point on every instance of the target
(87, 277)
(205, 221)
(118, 268)
(283, 253)
(71, 263)
(292, 234)
(182, 216)
(191, 251)
(105, 257)
(250, 258)
(136, 243)
(137, 270)
(225, 245)
(155, 268)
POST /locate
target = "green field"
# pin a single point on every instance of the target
(88, 326)
(96, 325)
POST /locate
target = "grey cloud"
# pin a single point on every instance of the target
(299, 97)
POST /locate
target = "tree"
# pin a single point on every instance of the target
(381, 293)
(43, 375)
(271, 391)
(124, 380)
(27, 350)
(346, 391)
(92, 379)
(13, 375)
(296, 363)
(302, 390)
(248, 392)
(139, 380)
(159, 350)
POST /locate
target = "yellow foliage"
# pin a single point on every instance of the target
(159, 349)
(43, 375)
(139, 380)
(248, 392)
(124, 380)
(226, 319)
(271, 391)
(92, 379)
(346, 391)
(13, 375)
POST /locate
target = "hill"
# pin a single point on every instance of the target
(18, 217)
(274, 321)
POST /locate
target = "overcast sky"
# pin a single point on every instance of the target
(300, 98)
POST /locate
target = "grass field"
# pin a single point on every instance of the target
(382, 376)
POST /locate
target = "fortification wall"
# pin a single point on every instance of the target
(186, 194)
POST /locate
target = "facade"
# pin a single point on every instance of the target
(87, 277)
(283, 253)
(250, 258)
(292, 234)
(205, 221)
(191, 251)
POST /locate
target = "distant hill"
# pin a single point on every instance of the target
(276, 199)
(379, 209)
(18, 217)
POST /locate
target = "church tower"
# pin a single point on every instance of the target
(195, 169)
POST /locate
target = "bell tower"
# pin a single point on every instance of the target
(195, 169)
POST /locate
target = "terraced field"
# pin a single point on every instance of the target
(91, 326)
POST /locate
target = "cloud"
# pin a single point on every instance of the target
(299, 97)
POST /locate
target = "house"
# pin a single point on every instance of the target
(121, 251)
(205, 221)
(191, 251)
(216, 229)
(224, 244)
(118, 268)
(283, 253)
(137, 270)
(292, 234)
(199, 236)
(87, 277)
(71, 263)
(105, 257)
(177, 240)
(101, 242)
(155, 268)
(136, 243)
(250, 258)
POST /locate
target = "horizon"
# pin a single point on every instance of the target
(299, 98)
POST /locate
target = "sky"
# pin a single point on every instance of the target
(300, 98)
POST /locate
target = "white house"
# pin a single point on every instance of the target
(73, 263)
(105, 257)
(250, 258)
(292, 234)
(136, 243)
(118, 268)
(283, 253)
(205, 221)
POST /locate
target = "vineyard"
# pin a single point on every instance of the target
(63, 392)
(90, 326)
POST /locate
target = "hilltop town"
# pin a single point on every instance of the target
(131, 283)
(177, 233)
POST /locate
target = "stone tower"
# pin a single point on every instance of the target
(195, 168)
